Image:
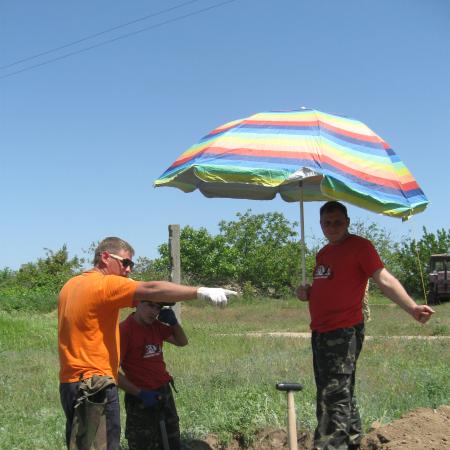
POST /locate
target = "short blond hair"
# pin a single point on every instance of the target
(111, 245)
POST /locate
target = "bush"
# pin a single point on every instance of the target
(35, 286)
(49, 273)
(22, 299)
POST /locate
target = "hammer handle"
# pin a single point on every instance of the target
(292, 425)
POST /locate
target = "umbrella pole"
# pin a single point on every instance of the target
(302, 234)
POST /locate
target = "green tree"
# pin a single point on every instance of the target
(205, 259)
(7, 277)
(267, 251)
(257, 252)
(147, 269)
(380, 238)
(50, 272)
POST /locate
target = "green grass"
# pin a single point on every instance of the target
(30, 413)
(226, 380)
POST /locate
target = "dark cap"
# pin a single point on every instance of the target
(159, 304)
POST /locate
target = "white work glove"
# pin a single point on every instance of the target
(217, 296)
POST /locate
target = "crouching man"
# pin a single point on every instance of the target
(152, 420)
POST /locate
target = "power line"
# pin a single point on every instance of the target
(91, 36)
(123, 36)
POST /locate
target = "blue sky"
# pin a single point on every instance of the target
(83, 138)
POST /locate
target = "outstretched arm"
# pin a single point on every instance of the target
(392, 288)
(165, 291)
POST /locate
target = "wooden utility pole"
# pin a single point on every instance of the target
(175, 262)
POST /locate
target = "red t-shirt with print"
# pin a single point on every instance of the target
(141, 353)
(339, 282)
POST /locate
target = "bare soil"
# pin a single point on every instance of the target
(422, 429)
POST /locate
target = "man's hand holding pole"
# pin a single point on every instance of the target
(302, 292)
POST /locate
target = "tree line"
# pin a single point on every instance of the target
(259, 254)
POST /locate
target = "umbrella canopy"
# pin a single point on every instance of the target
(302, 155)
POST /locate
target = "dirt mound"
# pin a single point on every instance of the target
(422, 429)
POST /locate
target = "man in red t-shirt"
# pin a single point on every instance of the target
(343, 268)
(151, 413)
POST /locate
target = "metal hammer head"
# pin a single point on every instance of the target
(286, 387)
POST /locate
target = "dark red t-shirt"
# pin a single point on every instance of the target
(339, 282)
(141, 353)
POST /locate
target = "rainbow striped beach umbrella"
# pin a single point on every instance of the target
(303, 155)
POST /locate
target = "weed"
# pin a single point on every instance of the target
(440, 330)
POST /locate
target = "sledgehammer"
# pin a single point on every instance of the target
(290, 388)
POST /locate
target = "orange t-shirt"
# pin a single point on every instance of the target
(88, 331)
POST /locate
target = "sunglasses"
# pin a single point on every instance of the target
(126, 262)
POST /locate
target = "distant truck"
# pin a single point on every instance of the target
(439, 278)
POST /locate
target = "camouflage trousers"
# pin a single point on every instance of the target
(335, 354)
(143, 428)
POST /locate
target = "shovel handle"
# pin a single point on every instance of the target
(164, 437)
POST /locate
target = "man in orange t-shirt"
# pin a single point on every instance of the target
(88, 331)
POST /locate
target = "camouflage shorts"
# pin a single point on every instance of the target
(335, 354)
(143, 429)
